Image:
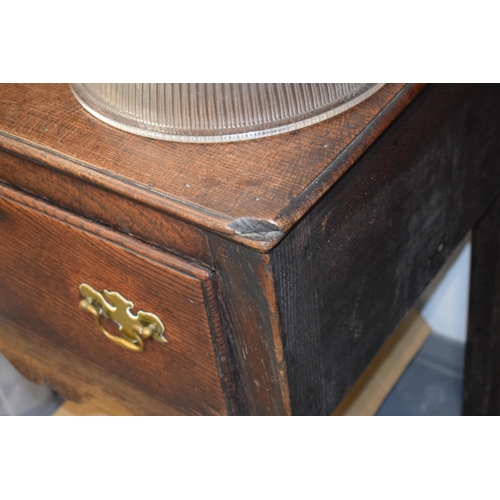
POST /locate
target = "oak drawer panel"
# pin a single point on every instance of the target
(46, 253)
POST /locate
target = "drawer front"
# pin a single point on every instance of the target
(47, 253)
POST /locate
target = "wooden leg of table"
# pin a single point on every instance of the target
(482, 357)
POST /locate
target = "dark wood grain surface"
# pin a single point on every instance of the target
(351, 270)
(313, 245)
(253, 327)
(71, 376)
(482, 357)
(104, 206)
(46, 253)
(252, 191)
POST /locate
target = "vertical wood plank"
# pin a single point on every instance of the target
(250, 312)
(482, 358)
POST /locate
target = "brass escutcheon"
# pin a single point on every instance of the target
(135, 329)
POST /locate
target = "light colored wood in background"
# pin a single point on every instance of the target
(382, 374)
(96, 408)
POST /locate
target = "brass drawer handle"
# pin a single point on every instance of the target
(135, 329)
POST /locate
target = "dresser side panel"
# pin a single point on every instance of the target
(354, 266)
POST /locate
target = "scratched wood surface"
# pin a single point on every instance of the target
(252, 323)
(350, 248)
(46, 253)
(252, 190)
(349, 272)
(121, 213)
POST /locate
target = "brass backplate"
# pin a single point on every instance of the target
(134, 328)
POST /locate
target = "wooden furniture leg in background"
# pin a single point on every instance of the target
(382, 374)
(482, 357)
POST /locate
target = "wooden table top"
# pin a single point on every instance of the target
(256, 190)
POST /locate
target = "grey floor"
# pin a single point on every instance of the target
(21, 397)
(431, 385)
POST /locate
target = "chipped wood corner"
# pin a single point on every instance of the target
(258, 230)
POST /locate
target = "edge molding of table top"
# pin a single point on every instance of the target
(252, 192)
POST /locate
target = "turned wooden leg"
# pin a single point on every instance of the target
(482, 357)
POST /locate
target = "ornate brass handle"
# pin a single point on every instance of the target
(134, 328)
